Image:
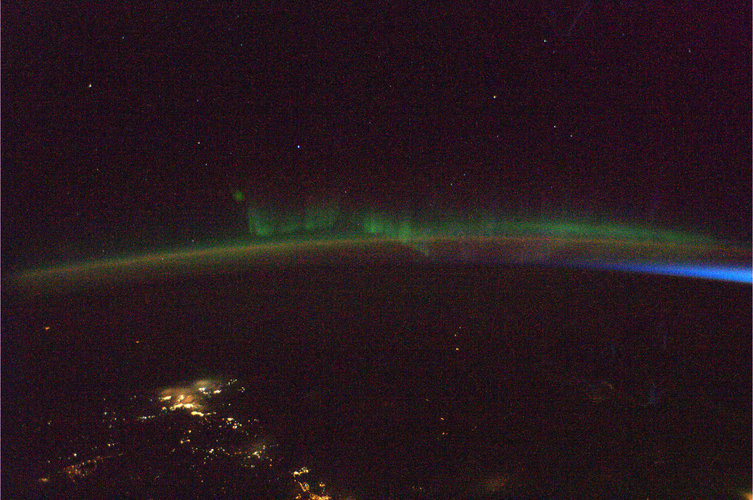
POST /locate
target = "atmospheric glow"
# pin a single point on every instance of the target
(297, 237)
(712, 272)
(327, 220)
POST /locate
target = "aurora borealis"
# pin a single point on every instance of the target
(324, 235)
(329, 221)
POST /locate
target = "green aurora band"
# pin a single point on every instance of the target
(326, 235)
(328, 222)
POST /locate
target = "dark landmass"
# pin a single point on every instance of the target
(409, 379)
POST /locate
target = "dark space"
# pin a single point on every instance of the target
(129, 127)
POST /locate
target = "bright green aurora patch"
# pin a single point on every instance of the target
(328, 222)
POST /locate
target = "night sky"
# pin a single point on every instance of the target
(129, 127)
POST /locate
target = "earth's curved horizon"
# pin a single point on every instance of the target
(710, 260)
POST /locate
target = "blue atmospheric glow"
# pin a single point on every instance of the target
(714, 272)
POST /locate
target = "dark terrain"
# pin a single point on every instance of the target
(410, 381)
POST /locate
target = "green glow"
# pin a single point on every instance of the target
(373, 223)
(264, 223)
(238, 196)
(292, 236)
(260, 224)
(317, 218)
(328, 221)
